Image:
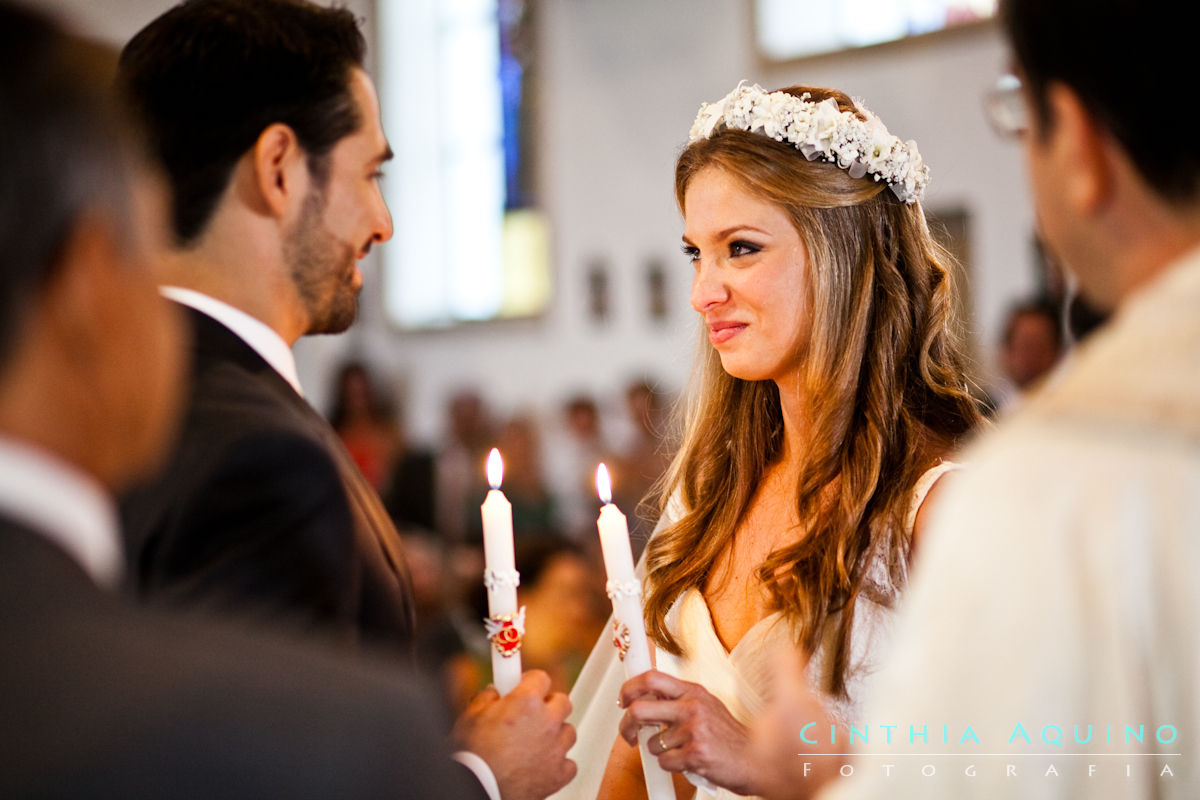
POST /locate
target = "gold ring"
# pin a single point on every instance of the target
(661, 744)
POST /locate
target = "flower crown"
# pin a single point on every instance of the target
(820, 130)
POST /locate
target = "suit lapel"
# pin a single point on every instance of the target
(363, 497)
(374, 528)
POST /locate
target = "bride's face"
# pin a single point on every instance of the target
(749, 282)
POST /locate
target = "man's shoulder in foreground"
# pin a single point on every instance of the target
(173, 706)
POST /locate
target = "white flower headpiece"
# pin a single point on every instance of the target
(820, 130)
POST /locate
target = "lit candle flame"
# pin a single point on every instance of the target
(495, 469)
(603, 484)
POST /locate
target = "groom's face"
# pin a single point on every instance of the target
(341, 218)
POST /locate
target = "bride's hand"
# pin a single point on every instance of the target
(697, 733)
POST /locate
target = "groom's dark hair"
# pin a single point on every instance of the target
(1134, 70)
(210, 75)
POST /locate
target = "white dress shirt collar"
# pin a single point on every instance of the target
(67, 506)
(257, 335)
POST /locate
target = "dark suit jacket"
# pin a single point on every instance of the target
(260, 510)
(101, 699)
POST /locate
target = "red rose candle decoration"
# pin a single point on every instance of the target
(505, 625)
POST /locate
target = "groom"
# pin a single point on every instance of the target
(268, 128)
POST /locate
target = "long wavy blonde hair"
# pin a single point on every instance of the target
(884, 386)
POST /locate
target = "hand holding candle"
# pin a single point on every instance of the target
(505, 625)
(629, 627)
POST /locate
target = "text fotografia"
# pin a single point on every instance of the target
(1006, 770)
(969, 752)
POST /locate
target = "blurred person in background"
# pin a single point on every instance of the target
(534, 510)
(369, 424)
(643, 459)
(563, 594)
(575, 447)
(461, 480)
(1032, 346)
(450, 639)
(365, 420)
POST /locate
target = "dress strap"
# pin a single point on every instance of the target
(921, 489)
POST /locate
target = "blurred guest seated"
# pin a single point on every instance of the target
(460, 482)
(566, 608)
(643, 460)
(1031, 348)
(369, 425)
(365, 420)
(450, 638)
(573, 450)
(534, 512)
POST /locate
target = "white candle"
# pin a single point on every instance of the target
(505, 625)
(629, 628)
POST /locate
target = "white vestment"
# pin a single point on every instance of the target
(1058, 587)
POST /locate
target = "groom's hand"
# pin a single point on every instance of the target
(524, 737)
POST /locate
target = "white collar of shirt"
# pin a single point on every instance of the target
(65, 505)
(257, 335)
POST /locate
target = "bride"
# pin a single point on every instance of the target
(828, 395)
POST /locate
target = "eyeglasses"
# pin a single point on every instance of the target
(1005, 107)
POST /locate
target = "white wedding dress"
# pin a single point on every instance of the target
(740, 677)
